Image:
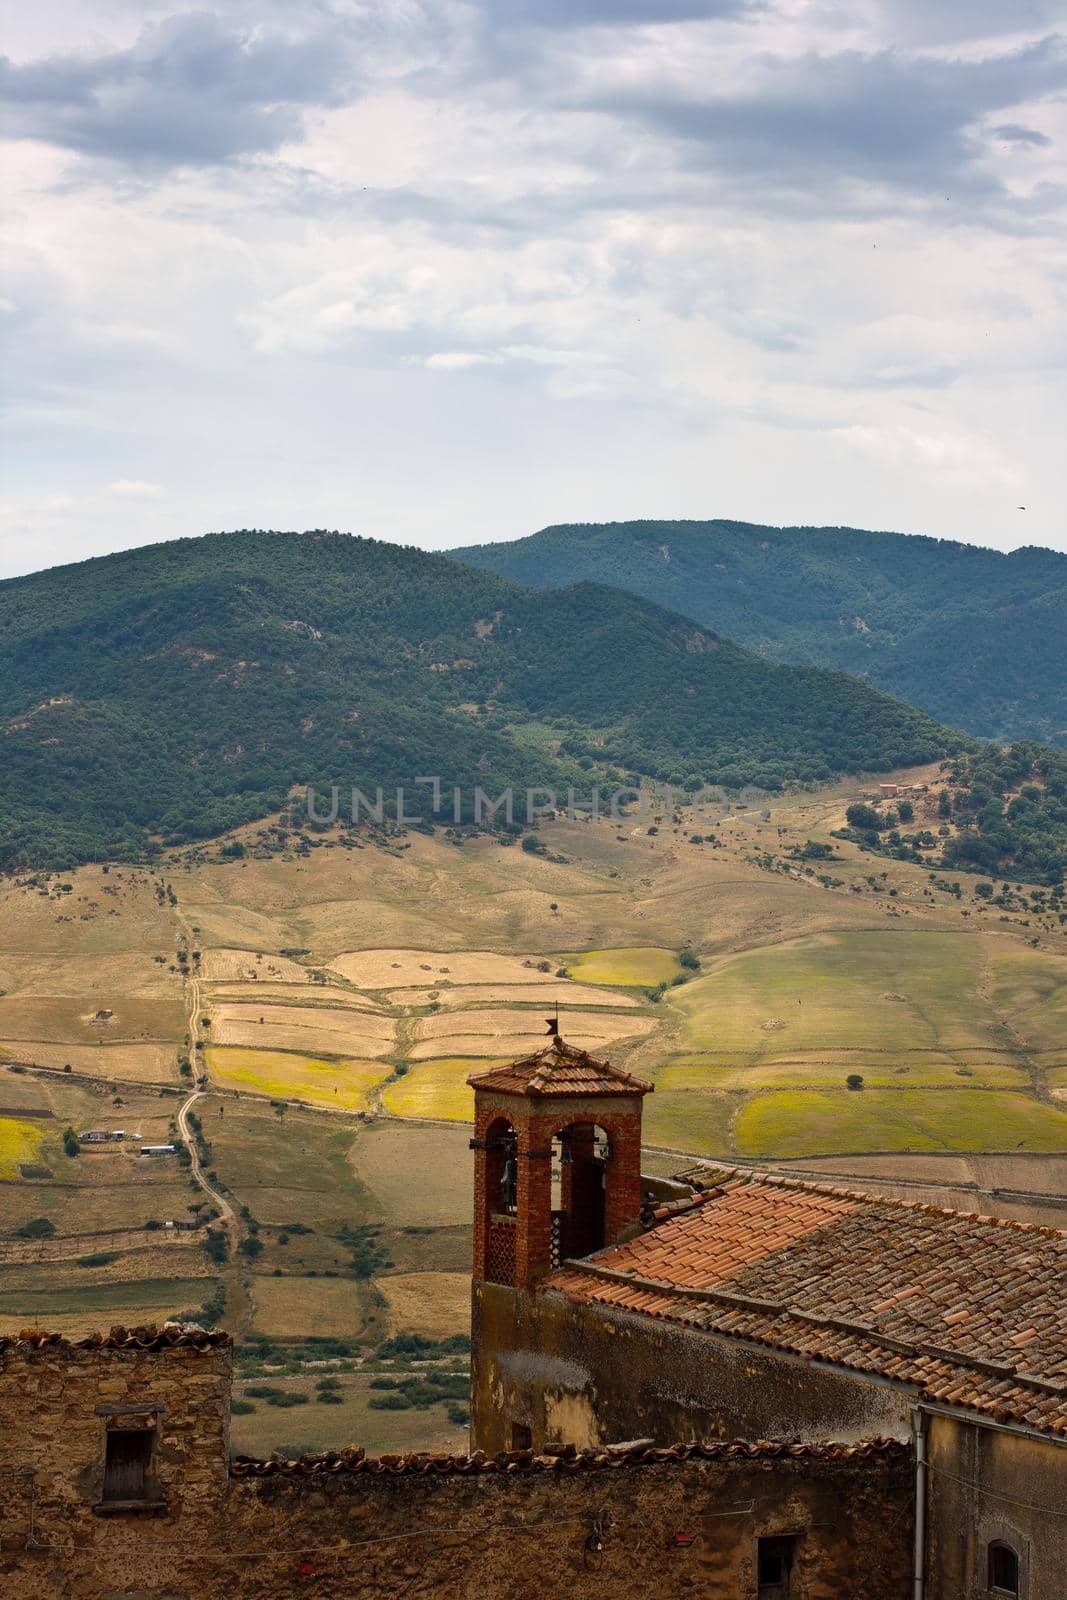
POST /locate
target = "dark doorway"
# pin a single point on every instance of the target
(774, 1564)
(126, 1463)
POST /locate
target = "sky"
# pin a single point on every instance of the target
(445, 271)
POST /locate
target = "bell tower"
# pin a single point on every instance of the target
(557, 1166)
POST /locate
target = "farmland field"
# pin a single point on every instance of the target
(342, 1083)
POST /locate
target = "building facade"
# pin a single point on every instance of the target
(744, 1305)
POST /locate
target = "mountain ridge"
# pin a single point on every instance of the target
(172, 692)
(975, 637)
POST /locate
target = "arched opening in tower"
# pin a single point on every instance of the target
(581, 1156)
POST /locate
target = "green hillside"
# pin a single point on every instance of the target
(179, 689)
(975, 637)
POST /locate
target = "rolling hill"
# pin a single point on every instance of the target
(975, 637)
(171, 692)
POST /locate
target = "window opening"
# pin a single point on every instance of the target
(1003, 1570)
(126, 1462)
(774, 1563)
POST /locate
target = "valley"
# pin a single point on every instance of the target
(317, 1010)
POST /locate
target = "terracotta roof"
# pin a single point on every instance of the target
(559, 1069)
(172, 1335)
(971, 1310)
(565, 1459)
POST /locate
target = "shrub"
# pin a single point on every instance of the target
(393, 1401)
(216, 1246)
(416, 1344)
(36, 1228)
(70, 1142)
(458, 1413)
(241, 1408)
(854, 1081)
(99, 1258)
(865, 818)
(689, 960)
(330, 1397)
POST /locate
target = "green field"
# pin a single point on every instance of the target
(20, 1142)
(86, 1304)
(630, 967)
(343, 1084)
(436, 1089)
(801, 1122)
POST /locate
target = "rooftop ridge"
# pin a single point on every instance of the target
(567, 1458)
(171, 1336)
(785, 1181)
(837, 1324)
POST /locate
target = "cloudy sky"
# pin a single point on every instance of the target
(449, 270)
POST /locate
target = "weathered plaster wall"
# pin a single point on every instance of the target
(986, 1485)
(591, 1375)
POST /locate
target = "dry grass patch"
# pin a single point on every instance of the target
(123, 1063)
(147, 1264)
(289, 1168)
(435, 1304)
(344, 1084)
(71, 1018)
(289, 994)
(326, 1029)
(390, 969)
(293, 1308)
(318, 1427)
(544, 993)
(418, 1176)
(251, 966)
(82, 1309)
(498, 1031)
(90, 1209)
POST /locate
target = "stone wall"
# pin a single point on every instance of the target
(645, 1522)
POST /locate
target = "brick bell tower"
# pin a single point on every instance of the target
(557, 1166)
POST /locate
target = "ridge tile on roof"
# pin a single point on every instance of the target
(559, 1069)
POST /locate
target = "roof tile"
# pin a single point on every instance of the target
(945, 1300)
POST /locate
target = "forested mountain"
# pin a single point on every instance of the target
(179, 689)
(975, 637)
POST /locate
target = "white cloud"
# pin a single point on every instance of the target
(135, 489)
(807, 265)
(460, 360)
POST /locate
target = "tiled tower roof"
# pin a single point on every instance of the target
(559, 1069)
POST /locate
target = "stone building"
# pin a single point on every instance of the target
(734, 1303)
